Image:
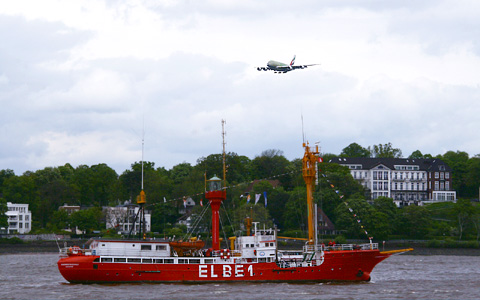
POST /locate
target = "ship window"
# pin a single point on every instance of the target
(146, 247)
(134, 260)
(96, 259)
(246, 245)
(120, 259)
(159, 261)
(183, 261)
(95, 267)
(161, 247)
(103, 245)
(169, 261)
(106, 259)
(194, 261)
(209, 261)
(147, 261)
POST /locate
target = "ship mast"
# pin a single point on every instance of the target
(141, 199)
(309, 163)
(223, 153)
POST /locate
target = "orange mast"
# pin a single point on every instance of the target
(309, 161)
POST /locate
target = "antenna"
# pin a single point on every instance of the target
(143, 144)
(303, 132)
(223, 153)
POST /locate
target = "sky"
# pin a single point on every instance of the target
(84, 82)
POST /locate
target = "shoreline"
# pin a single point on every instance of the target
(52, 247)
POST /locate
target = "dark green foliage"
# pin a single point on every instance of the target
(99, 185)
(355, 150)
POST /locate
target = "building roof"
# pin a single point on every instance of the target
(424, 164)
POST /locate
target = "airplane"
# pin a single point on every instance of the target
(279, 67)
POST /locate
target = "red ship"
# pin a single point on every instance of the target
(251, 258)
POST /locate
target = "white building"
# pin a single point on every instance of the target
(406, 181)
(19, 218)
(124, 217)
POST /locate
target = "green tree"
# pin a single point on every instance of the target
(385, 151)
(295, 214)
(472, 177)
(458, 161)
(355, 150)
(350, 212)
(463, 211)
(269, 164)
(3, 216)
(414, 221)
(87, 219)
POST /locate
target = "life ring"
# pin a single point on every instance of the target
(225, 254)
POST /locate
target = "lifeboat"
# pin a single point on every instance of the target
(186, 248)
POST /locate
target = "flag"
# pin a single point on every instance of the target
(201, 202)
(265, 195)
(257, 197)
(184, 202)
(248, 198)
(164, 200)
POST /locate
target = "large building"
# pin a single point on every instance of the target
(406, 181)
(19, 218)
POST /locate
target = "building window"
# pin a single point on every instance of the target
(442, 175)
(374, 175)
(436, 175)
(447, 175)
(447, 185)
(436, 185)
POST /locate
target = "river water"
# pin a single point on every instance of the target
(35, 276)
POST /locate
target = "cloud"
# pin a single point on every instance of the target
(78, 82)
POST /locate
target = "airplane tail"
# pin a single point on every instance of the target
(293, 61)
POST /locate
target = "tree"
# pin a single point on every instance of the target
(385, 151)
(463, 211)
(270, 163)
(417, 154)
(355, 150)
(356, 221)
(414, 221)
(3, 216)
(472, 177)
(458, 161)
(87, 219)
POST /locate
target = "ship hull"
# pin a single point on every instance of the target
(336, 266)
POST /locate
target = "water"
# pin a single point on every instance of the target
(35, 276)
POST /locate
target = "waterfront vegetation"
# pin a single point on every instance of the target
(92, 187)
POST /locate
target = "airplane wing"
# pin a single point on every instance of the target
(303, 66)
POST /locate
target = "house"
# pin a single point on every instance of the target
(126, 218)
(325, 226)
(187, 206)
(70, 209)
(407, 181)
(19, 218)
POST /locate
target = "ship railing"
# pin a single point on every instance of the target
(346, 247)
(313, 248)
